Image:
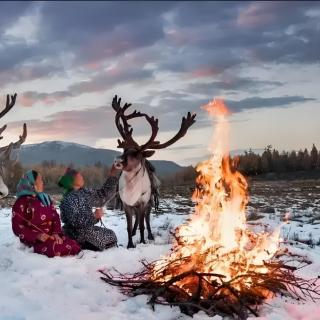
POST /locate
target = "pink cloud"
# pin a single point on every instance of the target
(93, 65)
(255, 14)
(178, 37)
(29, 98)
(204, 72)
(85, 125)
(26, 101)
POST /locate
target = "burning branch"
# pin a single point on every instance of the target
(211, 293)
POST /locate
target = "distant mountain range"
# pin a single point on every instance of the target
(80, 155)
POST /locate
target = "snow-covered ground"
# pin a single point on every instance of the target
(34, 287)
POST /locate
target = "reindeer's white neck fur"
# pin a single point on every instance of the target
(135, 186)
(3, 188)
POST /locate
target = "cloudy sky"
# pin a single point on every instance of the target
(66, 60)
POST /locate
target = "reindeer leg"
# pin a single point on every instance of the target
(129, 228)
(141, 225)
(135, 226)
(148, 212)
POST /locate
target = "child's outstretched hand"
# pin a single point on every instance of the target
(114, 171)
(98, 213)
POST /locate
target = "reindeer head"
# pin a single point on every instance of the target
(134, 153)
(8, 154)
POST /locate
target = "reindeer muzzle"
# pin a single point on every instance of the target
(119, 162)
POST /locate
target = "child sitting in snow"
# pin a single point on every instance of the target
(36, 222)
(76, 210)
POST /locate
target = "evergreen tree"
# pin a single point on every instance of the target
(292, 161)
(300, 159)
(306, 160)
(314, 158)
(266, 160)
(276, 161)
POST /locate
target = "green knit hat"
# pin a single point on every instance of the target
(66, 181)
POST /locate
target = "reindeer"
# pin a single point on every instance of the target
(6, 160)
(138, 184)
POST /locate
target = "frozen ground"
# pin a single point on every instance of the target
(34, 287)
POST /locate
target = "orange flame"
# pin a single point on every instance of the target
(216, 238)
(216, 107)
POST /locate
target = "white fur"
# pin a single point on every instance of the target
(3, 188)
(135, 186)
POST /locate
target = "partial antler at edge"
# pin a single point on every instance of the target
(10, 102)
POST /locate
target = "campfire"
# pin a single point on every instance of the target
(217, 264)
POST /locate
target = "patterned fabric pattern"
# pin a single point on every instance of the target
(78, 217)
(30, 218)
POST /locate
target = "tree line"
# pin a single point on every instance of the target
(271, 160)
(94, 175)
(250, 164)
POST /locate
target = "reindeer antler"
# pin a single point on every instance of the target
(10, 102)
(22, 138)
(154, 131)
(186, 123)
(1, 130)
(126, 130)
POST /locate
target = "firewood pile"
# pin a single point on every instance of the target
(193, 291)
